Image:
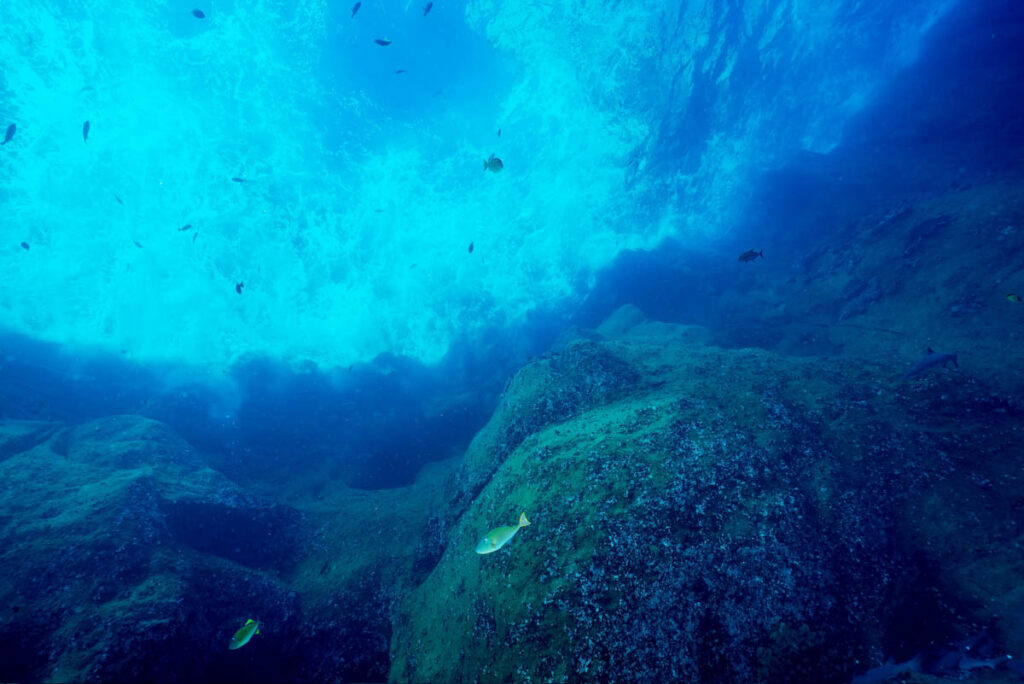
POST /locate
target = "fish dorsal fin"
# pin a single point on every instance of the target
(930, 350)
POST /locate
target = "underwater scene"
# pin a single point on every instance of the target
(635, 341)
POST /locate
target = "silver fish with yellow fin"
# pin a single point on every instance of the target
(242, 636)
(500, 536)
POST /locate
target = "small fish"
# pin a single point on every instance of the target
(493, 164)
(326, 565)
(119, 200)
(136, 243)
(499, 132)
(85, 132)
(751, 255)
(238, 286)
(194, 236)
(470, 247)
(237, 179)
(198, 14)
(1013, 297)
(930, 360)
(500, 536)
(383, 42)
(11, 130)
(400, 71)
(187, 226)
(355, 8)
(242, 636)
(426, 8)
(24, 246)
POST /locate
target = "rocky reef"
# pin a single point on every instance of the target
(699, 514)
(714, 515)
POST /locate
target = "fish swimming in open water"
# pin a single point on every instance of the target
(85, 131)
(238, 179)
(426, 8)
(470, 247)
(25, 246)
(355, 8)
(493, 164)
(383, 42)
(751, 255)
(198, 14)
(499, 536)
(242, 636)
(187, 226)
(11, 130)
(889, 670)
(931, 360)
(238, 286)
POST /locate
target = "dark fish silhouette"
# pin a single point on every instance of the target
(426, 8)
(136, 243)
(499, 132)
(187, 226)
(194, 236)
(119, 200)
(85, 132)
(238, 287)
(237, 179)
(400, 71)
(24, 246)
(383, 42)
(493, 164)
(929, 361)
(198, 14)
(9, 134)
(470, 247)
(750, 255)
(326, 565)
(355, 8)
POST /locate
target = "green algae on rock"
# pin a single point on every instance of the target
(723, 515)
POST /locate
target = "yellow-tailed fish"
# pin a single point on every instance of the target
(500, 536)
(242, 636)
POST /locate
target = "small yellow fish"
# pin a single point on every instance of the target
(500, 536)
(242, 636)
(1013, 297)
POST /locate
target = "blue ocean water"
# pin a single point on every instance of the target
(272, 227)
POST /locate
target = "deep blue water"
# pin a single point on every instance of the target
(645, 145)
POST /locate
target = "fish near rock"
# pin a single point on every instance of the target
(243, 635)
(494, 164)
(930, 360)
(499, 536)
(11, 130)
(751, 255)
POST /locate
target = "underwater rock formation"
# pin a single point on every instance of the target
(708, 515)
(126, 559)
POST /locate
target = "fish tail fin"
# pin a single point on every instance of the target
(523, 522)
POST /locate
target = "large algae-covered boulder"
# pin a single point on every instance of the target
(721, 516)
(124, 558)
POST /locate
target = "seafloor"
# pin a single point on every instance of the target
(763, 500)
